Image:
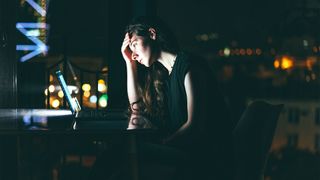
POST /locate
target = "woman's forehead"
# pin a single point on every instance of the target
(135, 37)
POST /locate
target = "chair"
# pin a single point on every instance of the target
(252, 138)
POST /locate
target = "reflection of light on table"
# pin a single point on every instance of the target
(35, 112)
(40, 116)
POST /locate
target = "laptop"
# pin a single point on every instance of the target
(92, 118)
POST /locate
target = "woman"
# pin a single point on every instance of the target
(177, 92)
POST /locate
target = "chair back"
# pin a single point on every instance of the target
(252, 138)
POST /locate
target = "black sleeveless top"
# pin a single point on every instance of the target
(211, 117)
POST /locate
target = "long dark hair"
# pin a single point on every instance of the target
(152, 81)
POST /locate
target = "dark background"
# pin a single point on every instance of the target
(94, 29)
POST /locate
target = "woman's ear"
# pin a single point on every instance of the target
(153, 33)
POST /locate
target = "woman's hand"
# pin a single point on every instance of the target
(139, 122)
(125, 49)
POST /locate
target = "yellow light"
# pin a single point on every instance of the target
(55, 103)
(46, 92)
(50, 78)
(101, 81)
(60, 94)
(276, 64)
(86, 87)
(86, 94)
(51, 88)
(286, 62)
(226, 51)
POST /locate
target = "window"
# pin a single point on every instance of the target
(294, 115)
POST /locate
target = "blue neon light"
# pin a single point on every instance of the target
(31, 31)
(35, 32)
(39, 46)
(38, 8)
(31, 25)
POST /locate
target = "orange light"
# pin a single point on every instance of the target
(286, 62)
(101, 81)
(310, 62)
(276, 64)
(50, 78)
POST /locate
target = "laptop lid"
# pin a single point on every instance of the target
(72, 102)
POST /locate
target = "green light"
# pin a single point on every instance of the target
(103, 100)
(105, 96)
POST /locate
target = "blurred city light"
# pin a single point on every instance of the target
(93, 99)
(55, 103)
(51, 88)
(286, 62)
(60, 94)
(86, 87)
(103, 101)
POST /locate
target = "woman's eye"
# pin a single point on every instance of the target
(134, 44)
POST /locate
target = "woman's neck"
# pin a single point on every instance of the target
(167, 60)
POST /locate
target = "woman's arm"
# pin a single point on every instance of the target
(132, 80)
(190, 109)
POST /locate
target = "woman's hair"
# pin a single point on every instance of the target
(165, 39)
(152, 83)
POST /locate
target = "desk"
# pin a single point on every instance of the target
(37, 144)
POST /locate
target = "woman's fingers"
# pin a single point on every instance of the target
(125, 43)
(125, 50)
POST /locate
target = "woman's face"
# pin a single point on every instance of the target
(141, 50)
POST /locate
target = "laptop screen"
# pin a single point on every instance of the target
(64, 87)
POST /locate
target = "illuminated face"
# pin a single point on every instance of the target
(141, 51)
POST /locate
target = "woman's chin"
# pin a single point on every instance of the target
(146, 64)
